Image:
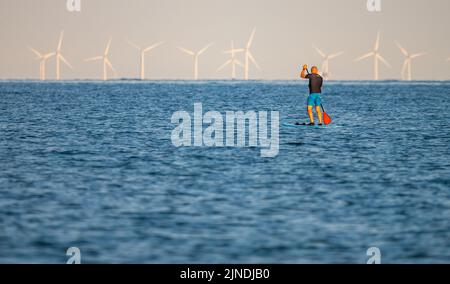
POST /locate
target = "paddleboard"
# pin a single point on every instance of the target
(303, 126)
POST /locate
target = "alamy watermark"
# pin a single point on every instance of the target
(229, 131)
(374, 5)
(375, 255)
(73, 5)
(74, 255)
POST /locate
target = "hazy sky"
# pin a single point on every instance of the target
(286, 30)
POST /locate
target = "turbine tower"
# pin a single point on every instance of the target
(249, 56)
(106, 62)
(407, 66)
(326, 61)
(377, 57)
(42, 60)
(196, 56)
(233, 60)
(60, 57)
(142, 52)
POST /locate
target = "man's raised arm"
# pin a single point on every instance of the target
(304, 72)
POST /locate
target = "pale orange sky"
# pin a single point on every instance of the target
(286, 30)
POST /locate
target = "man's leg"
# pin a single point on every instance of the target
(318, 104)
(310, 104)
(319, 114)
(310, 114)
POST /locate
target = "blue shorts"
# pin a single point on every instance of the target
(314, 100)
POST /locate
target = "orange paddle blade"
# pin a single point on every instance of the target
(326, 118)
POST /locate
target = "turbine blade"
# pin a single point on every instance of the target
(108, 46)
(239, 63)
(252, 59)
(65, 61)
(61, 36)
(239, 50)
(110, 66)
(405, 53)
(190, 52)
(224, 65)
(35, 52)
(377, 43)
(94, 58)
(204, 49)
(133, 44)
(418, 55)
(48, 55)
(153, 46)
(335, 55)
(250, 40)
(384, 61)
(365, 56)
(319, 51)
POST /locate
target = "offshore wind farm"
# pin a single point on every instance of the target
(279, 49)
(106, 63)
(234, 61)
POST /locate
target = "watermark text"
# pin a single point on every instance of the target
(236, 129)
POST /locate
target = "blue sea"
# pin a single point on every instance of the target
(91, 165)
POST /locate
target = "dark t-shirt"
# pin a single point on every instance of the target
(315, 83)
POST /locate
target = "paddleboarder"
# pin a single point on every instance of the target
(315, 90)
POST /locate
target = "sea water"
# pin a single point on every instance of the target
(92, 165)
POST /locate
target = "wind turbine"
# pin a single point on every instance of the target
(326, 61)
(196, 55)
(142, 52)
(59, 57)
(376, 56)
(233, 61)
(249, 56)
(407, 66)
(43, 59)
(106, 62)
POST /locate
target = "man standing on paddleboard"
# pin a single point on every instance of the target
(315, 89)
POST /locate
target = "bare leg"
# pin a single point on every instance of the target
(310, 114)
(319, 114)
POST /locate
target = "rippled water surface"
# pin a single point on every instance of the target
(91, 165)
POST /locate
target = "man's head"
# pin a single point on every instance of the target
(314, 70)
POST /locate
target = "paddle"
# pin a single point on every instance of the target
(326, 117)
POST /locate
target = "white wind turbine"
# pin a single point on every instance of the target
(407, 66)
(42, 60)
(377, 57)
(196, 56)
(326, 61)
(106, 62)
(233, 60)
(249, 56)
(142, 52)
(59, 57)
